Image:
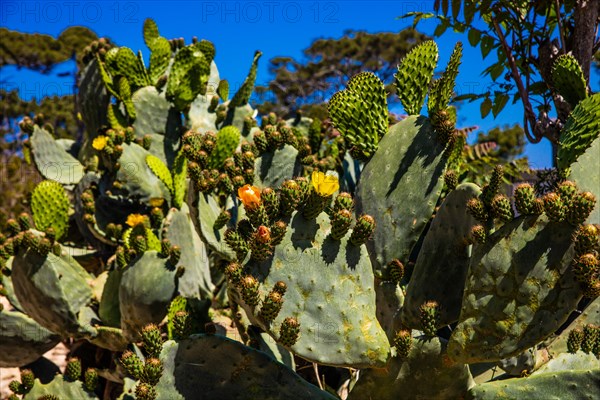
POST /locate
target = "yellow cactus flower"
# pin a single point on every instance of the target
(157, 201)
(249, 195)
(325, 185)
(135, 219)
(100, 142)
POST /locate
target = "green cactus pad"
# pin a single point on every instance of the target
(443, 262)
(52, 290)
(60, 388)
(424, 374)
(330, 292)
(150, 32)
(51, 159)
(414, 74)
(590, 315)
(221, 368)
(442, 91)
(360, 113)
(580, 131)
(50, 206)
(585, 173)
(195, 282)
(568, 79)
(242, 96)
(108, 310)
(93, 100)
(22, 340)
(272, 168)
(189, 62)
(159, 58)
(160, 170)
(179, 180)
(138, 181)
(520, 290)
(199, 117)
(568, 361)
(562, 385)
(400, 187)
(265, 343)
(147, 288)
(125, 63)
(205, 212)
(223, 90)
(228, 139)
(390, 299)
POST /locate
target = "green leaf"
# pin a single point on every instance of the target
(487, 43)
(499, 102)
(441, 28)
(469, 11)
(456, 8)
(474, 36)
(486, 107)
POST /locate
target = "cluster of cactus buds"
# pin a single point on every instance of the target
(26, 384)
(586, 265)
(109, 145)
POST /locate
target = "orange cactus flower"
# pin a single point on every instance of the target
(135, 219)
(263, 234)
(249, 195)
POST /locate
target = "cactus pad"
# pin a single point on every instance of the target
(414, 74)
(519, 291)
(52, 160)
(568, 79)
(580, 130)
(50, 206)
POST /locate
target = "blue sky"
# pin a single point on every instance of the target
(238, 28)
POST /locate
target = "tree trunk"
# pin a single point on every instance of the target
(586, 15)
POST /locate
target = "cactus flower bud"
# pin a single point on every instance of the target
(396, 271)
(430, 316)
(525, 199)
(554, 207)
(501, 208)
(152, 371)
(250, 292)
(73, 369)
(478, 234)
(403, 343)
(340, 224)
(289, 331)
(271, 306)
(586, 267)
(574, 340)
(580, 208)
(280, 287)
(90, 379)
(278, 232)
(476, 208)
(152, 340)
(365, 225)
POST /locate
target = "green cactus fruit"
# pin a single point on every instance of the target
(73, 370)
(450, 180)
(490, 190)
(260, 244)
(271, 306)
(278, 230)
(580, 131)
(181, 324)
(132, 364)
(270, 200)
(580, 208)
(396, 271)
(567, 191)
(250, 290)
(289, 331)
(222, 219)
(257, 214)
(242, 96)
(24, 222)
(152, 340)
(153, 369)
(90, 379)
(237, 243)
(442, 89)
(290, 196)
(525, 199)
(343, 201)
(586, 267)
(501, 318)
(261, 142)
(27, 380)
(360, 113)
(145, 391)
(554, 207)
(568, 79)
(139, 244)
(587, 237)
(227, 141)
(315, 204)
(430, 316)
(156, 218)
(50, 206)
(280, 287)
(233, 272)
(414, 74)
(478, 234)
(574, 341)
(403, 343)
(501, 208)
(591, 335)
(340, 224)
(363, 230)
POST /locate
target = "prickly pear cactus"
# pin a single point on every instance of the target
(52, 160)
(580, 130)
(443, 262)
(414, 74)
(327, 281)
(519, 291)
(50, 206)
(421, 374)
(402, 182)
(60, 388)
(584, 172)
(202, 363)
(568, 79)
